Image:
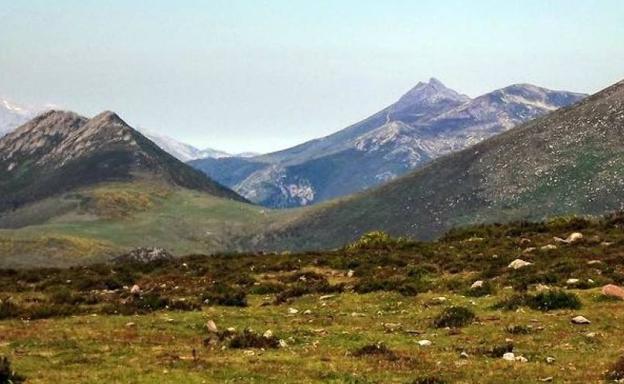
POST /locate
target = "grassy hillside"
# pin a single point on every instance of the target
(95, 223)
(361, 314)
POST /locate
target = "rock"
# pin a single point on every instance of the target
(212, 327)
(518, 263)
(550, 359)
(521, 359)
(135, 290)
(392, 327)
(307, 312)
(580, 320)
(463, 355)
(231, 329)
(613, 290)
(477, 284)
(594, 262)
(282, 343)
(548, 247)
(293, 311)
(249, 353)
(574, 237)
(542, 288)
(268, 334)
(350, 273)
(424, 343)
(590, 335)
(130, 325)
(572, 281)
(509, 356)
(326, 297)
(546, 379)
(144, 256)
(528, 250)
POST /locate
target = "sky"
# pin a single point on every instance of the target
(265, 75)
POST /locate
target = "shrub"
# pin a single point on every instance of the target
(378, 349)
(616, 373)
(226, 296)
(64, 296)
(266, 288)
(7, 375)
(300, 289)
(497, 351)
(551, 300)
(8, 309)
(512, 303)
(428, 380)
(250, 339)
(406, 287)
(377, 240)
(518, 329)
(486, 289)
(454, 317)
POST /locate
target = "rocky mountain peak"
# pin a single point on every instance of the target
(430, 92)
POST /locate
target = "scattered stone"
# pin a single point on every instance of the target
(477, 284)
(326, 297)
(550, 359)
(268, 334)
(521, 359)
(548, 247)
(424, 343)
(392, 327)
(518, 263)
(135, 290)
(307, 312)
(572, 281)
(593, 262)
(542, 288)
(547, 379)
(350, 273)
(130, 325)
(293, 311)
(249, 353)
(528, 250)
(581, 320)
(463, 355)
(509, 356)
(590, 335)
(212, 327)
(613, 290)
(282, 343)
(524, 240)
(231, 329)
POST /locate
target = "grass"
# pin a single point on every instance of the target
(83, 324)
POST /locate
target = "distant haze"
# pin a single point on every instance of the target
(264, 75)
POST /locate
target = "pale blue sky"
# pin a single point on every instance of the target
(263, 75)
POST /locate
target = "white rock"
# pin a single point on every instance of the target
(135, 290)
(307, 312)
(326, 297)
(518, 263)
(572, 281)
(231, 329)
(550, 359)
(477, 284)
(521, 359)
(463, 355)
(580, 320)
(509, 356)
(268, 334)
(424, 343)
(548, 247)
(350, 273)
(293, 311)
(212, 327)
(283, 344)
(576, 236)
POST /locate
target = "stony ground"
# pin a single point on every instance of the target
(369, 313)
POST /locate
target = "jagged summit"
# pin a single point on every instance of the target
(60, 150)
(432, 91)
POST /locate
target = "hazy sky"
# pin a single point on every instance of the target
(263, 75)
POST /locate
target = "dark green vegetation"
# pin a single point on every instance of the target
(7, 375)
(350, 315)
(568, 162)
(59, 151)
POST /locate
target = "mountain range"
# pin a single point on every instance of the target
(427, 122)
(568, 162)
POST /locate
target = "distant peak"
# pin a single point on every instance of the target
(430, 92)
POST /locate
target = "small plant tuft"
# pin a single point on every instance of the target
(454, 317)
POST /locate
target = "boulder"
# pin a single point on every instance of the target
(612, 290)
(518, 263)
(135, 290)
(424, 343)
(572, 281)
(212, 327)
(477, 284)
(581, 320)
(509, 356)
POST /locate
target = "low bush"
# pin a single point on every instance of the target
(551, 300)
(250, 339)
(225, 295)
(379, 349)
(454, 317)
(7, 375)
(377, 240)
(486, 289)
(9, 310)
(428, 380)
(616, 373)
